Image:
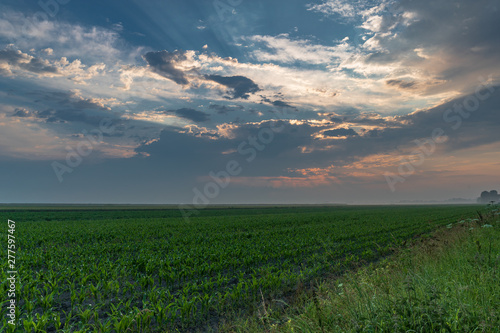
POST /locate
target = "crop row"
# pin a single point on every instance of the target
(154, 271)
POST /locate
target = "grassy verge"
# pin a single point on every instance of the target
(448, 282)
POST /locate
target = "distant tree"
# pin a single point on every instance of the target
(489, 197)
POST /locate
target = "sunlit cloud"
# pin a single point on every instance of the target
(354, 84)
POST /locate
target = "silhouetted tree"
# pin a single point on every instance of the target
(487, 197)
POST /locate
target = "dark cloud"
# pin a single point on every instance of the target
(241, 86)
(69, 100)
(67, 107)
(22, 113)
(340, 132)
(181, 160)
(51, 109)
(285, 150)
(191, 114)
(265, 99)
(465, 126)
(402, 84)
(24, 61)
(281, 104)
(85, 104)
(164, 64)
(274, 157)
(372, 133)
(254, 111)
(59, 116)
(224, 109)
(463, 129)
(69, 115)
(476, 23)
(455, 56)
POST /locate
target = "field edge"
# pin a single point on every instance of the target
(413, 289)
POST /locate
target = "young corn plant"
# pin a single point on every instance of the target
(95, 291)
(101, 327)
(29, 324)
(122, 324)
(67, 319)
(73, 297)
(159, 311)
(143, 320)
(47, 301)
(85, 316)
(29, 306)
(41, 322)
(56, 320)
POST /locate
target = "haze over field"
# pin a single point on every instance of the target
(239, 101)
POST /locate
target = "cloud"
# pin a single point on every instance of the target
(402, 84)
(191, 114)
(17, 63)
(295, 154)
(277, 103)
(312, 181)
(225, 109)
(397, 39)
(241, 86)
(331, 7)
(452, 58)
(282, 104)
(340, 132)
(15, 59)
(60, 107)
(23, 113)
(283, 49)
(28, 32)
(23, 140)
(74, 99)
(77, 72)
(57, 116)
(165, 64)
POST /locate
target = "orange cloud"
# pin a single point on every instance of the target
(284, 181)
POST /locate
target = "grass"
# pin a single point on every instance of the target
(107, 269)
(448, 282)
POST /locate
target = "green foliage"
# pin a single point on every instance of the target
(446, 283)
(149, 270)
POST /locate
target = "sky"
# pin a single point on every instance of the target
(237, 101)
